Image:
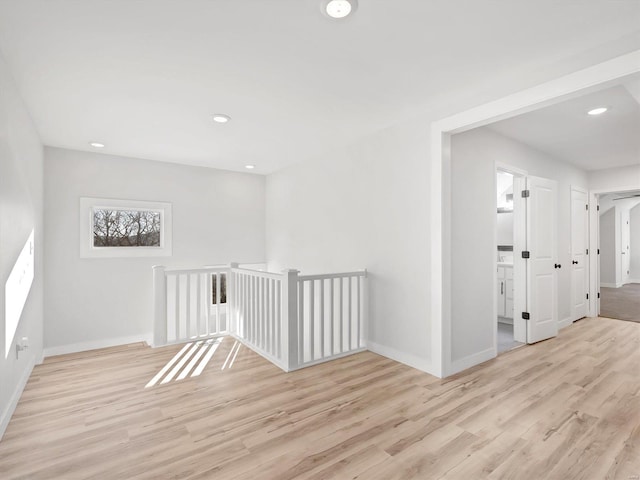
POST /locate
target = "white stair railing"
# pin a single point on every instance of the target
(189, 304)
(293, 321)
(331, 313)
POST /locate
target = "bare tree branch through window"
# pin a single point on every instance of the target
(126, 228)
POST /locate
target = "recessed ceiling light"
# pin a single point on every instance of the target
(597, 111)
(249, 167)
(340, 8)
(96, 144)
(221, 118)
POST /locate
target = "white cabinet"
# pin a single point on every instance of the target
(505, 291)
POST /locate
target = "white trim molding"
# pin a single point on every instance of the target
(472, 360)
(5, 416)
(87, 248)
(96, 344)
(565, 322)
(414, 361)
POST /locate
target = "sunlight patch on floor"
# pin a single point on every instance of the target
(194, 354)
(232, 356)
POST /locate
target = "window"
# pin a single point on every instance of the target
(124, 228)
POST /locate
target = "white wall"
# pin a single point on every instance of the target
(505, 228)
(634, 221)
(615, 237)
(614, 178)
(474, 154)
(21, 172)
(608, 248)
(368, 205)
(218, 217)
(364, 207)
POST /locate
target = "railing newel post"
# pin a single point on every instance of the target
(159, 306)
(289, 320)
(232, 309)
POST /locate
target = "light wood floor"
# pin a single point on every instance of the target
(622, 303)
(567, 408)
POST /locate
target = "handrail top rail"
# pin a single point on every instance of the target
(323, 276)
(257, 273)
(183, 271)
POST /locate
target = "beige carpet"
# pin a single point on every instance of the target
(622, 303)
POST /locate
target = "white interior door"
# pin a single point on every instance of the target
(625, 258)
(519, 263)
(579, 258)
(541, 266)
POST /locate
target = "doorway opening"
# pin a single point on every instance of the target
(455, 347)
(619, 259)
(505, 283)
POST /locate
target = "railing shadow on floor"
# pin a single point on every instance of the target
(292, 320)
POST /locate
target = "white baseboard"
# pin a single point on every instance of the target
(471, 361)
(634, 280)
(15, 397)
(408, 359)
(95, 344)
(565, 322)
(610, 285)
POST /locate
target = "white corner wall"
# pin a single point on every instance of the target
(615, 179)
(474, 156)
(21, 171)
(364, 207)
(608, 230)
(218, 217)
(634, 222)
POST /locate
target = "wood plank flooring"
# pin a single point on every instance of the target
(622, 303)
(567, 408)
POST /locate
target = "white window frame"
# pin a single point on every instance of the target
(88, 250)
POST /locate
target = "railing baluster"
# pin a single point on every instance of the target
(278, 319)
(312, 328)
(321, 318)
(359, 316)
(243, 287)
(218, 290)
(300, 323)
(254, 296)
(198, 304)
(261, 331)
(349, 318)
(332, 308)
(341, 316)
(177, 319)
(265, 317)
(269, 316)
(188, 305)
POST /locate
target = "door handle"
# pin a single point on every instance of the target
(501, 288)
(574, 262)
(557, 265)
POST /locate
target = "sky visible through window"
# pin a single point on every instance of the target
(126, 228)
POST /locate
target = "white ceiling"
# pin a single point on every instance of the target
(144, 76)
(564, 131)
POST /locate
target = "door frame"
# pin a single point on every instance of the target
(584, 81)
(519, 268)
(594, 242)
(574, 188)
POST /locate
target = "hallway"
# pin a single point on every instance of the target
(622, 303)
